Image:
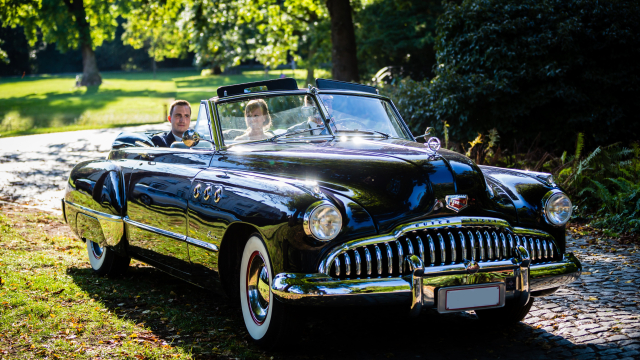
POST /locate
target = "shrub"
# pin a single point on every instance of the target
(554, 67)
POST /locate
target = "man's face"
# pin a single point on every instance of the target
(180, 119)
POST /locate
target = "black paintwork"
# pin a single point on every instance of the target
(377, 184)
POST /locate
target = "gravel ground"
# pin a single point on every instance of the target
(34, 168)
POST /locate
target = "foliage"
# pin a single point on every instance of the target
(53, 22)
(551, 66)
(397, 33)
(620, 204)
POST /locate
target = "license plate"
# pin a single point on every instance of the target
(471, 297)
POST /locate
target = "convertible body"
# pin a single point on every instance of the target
(419, 226)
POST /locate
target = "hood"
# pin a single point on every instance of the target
(396, 181)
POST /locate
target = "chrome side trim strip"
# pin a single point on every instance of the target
(402, 230)
(155, 230)
(97, 214)
(203, 244)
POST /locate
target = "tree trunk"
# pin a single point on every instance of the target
(310, 67)
(90, 74)
(343, 41)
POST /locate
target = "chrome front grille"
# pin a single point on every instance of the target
(437, 247)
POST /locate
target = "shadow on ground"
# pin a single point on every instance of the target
(208, 324)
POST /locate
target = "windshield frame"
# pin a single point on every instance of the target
(313, 92)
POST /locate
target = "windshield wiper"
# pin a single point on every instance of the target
(300, 131)
(372, 132)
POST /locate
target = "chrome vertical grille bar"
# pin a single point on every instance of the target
(518, 243)
(538, 249)
(358, 261)
(378, 259)
(454, 256)
(480, 243)
(496, 245)
(409, 246)
(545, 249)
(389, 258)
(551, 254)
(400, 257)
(347, 264)
(463, 241)
(504, 246)
(420, 248)
(487, 237)
(432, 250)
(336, 263)
(473, 245)
(443, 252)
(367, 257)
(533, 252)
(510, 244)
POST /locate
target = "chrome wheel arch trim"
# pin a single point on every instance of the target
(458, 222)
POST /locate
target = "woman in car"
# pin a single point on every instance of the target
(256, 115)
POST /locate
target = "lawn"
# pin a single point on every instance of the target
(53, 306)
(47, 103)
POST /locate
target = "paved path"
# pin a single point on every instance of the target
(34, 168)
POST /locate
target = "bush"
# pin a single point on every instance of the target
(554, 67)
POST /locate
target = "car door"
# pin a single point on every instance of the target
(157, 200)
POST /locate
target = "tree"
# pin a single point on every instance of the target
(550, 67)
(343, 39)
(71, 24)
(400, 34)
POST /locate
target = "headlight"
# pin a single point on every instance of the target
(557, 207)
(323, 221)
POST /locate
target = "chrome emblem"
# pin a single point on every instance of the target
(456, 202)
(472, 266)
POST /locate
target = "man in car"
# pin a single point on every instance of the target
(315, 121)
(180, 118)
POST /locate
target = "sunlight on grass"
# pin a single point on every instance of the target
(53, 306)
(50, 103)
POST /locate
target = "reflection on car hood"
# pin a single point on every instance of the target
(396, 181)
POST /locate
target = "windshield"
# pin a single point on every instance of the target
(288, 116)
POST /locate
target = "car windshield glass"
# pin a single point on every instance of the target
(268, 117)
(364, 114)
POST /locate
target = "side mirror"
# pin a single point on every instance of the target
(191, 138)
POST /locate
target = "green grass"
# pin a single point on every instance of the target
(45, 104)
(53, 306)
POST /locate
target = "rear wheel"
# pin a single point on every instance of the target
(511, 313)
(105, 261)
(265, 318)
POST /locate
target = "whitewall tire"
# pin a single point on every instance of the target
(105, 261)
(264, 317)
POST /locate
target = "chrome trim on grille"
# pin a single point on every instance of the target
(347, 264)
(378, 259)
(454, 256)
(336, 263)
(443, 252)
(432, 250)
(389, 258)
(538, 250)
(357, 256)
(490, 246)
(367, 257)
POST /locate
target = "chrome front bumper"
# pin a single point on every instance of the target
(521, 280)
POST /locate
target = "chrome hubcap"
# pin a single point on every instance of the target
(258, 288)
(96, 249)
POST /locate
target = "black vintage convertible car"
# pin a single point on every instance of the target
(318, 197)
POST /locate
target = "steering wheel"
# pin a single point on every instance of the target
(350, 120)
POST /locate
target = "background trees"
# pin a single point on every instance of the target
(551, 67)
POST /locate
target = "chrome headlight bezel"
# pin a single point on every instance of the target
(547, 200)
(309, 218)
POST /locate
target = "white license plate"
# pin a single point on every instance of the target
(471, 297)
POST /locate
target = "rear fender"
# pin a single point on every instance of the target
(94, 202)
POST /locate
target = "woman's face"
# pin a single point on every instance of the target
(255, 119)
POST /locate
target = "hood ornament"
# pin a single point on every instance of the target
(456, 202)
(433, 144)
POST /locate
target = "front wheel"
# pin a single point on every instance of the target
(105, 261)
(510, 314)
(264, 317)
